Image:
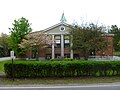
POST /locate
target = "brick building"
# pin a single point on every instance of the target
(59, 33)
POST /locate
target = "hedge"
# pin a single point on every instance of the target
(31, 69)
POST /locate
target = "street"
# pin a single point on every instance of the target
(85, 87)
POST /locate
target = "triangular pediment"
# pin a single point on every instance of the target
(60, 28)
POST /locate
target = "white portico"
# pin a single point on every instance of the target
(61, 40)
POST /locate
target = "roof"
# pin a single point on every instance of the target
(56, 25)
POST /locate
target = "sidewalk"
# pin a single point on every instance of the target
(2, 74)
(5, 58)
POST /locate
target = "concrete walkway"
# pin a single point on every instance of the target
(2, 74)
(5, 58)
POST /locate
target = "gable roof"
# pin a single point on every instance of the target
(56, 25)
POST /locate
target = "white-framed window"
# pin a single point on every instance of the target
(67, 41)
(57, 41)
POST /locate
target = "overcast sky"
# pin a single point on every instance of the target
(45, 13)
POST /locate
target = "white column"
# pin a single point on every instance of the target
(62, 45)
(71, 51)
(53, 47)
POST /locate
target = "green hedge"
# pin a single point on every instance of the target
(30, 69)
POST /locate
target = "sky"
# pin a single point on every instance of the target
(45, 13)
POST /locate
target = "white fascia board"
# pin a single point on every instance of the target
(57, 33)
(47, 29)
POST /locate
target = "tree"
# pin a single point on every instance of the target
(87, 38)
(36, 41)
(4, 45)
(116, 38)
(21, 27)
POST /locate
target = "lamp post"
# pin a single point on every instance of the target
(12, 58)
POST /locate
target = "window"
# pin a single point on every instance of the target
(57, 56)
(58, 46)
(67, 55)
(48, 56)
(57, 41)
(66, 45)
(66, 42)
(76, 56)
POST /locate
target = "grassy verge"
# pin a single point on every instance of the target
(2, 65)
(50, 81)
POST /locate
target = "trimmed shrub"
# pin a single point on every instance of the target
(32, 69)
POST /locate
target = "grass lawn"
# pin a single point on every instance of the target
(2, 65)
(51, 81)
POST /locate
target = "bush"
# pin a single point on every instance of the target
(31, 69)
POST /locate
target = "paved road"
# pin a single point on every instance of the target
(86, 87)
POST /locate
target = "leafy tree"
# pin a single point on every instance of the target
(36, 41)
(4, 45)
(87, 38)
(116, 38)
(21, 27)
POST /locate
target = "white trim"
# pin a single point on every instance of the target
(58, 33)
(47, 29)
